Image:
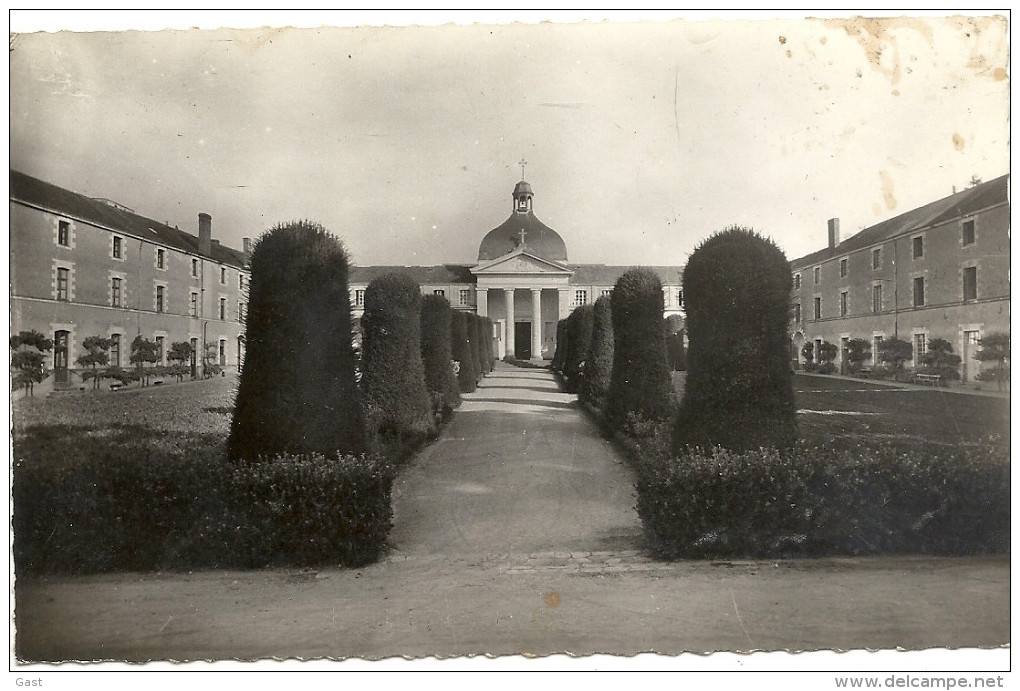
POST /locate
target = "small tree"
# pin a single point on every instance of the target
(827, 352)
(857, 351)
(995, 348)
(808, 353)
(28, 364)
(940, 359)
(894, 352)
(393, 377)
(579, 325)
(598, 371)
(96, 355)
(179, 356)
(461, 346)
(143, 351)
(297, 392)
(436, 354)
(641, 389)
(739, 388)
(211, 361)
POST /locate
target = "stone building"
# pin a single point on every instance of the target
(85, 267)
(938, 271)
(523, 281)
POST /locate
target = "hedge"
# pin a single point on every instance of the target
(579, 325)
(478, 344)
(739, 387)
(467, 377)
(297, 391)
(436, 356)
(560, 354)
(827, 501)
(397, 405)
(150, 510)
(640, 388)
(598, 369)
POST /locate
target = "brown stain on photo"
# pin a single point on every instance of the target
(552, 599)
(887, 190)
(958, 141)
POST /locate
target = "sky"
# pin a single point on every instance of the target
(641, 138)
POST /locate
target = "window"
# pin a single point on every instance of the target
(194, 268)
(970, 283)
(580, 297)
(193, 304)
(240, 281)
(818, 308)
(440, 292)
(918, 247)
(818, 275)
(680, 298)
(240, 311)
(115, 292)
(968, 233)
(160, 298)
(118, 247)
(844, 298)
(796, 281)
(223, 276)
(465, 296)
(160, 259)
(607, 292)
(223, 308)
(223, 352)
(63, 280)
(876, 298)
(876, 347)
(919, 346)
(159, 349)
(796, 313)
(919, 291)
(64, 233)
(115, 350)
(843, 267)
(876, 258)
(359, 298)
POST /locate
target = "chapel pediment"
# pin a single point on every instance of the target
(520, 261)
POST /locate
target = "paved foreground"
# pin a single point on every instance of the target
(515, 534)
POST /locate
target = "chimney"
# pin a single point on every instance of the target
(204, 234)
(247, 250)
(833, 232)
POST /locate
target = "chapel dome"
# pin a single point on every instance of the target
(538, 238)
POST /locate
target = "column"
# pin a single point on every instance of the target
(536, 323)
(510, 350)
(482, 301)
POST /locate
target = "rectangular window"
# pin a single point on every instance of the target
(194, 268)
(843, 267)
(160, 259)
(919, 291)
(359, 298)
(970, 283)
(223, 276)
(240, 311)
(876, 258)
(440, 292)
(240, 281)
(680, 298)
(118, 247)
(876, 298)
(465, 297)
(607, 292)
(63, 279)
(844, 298)
(968, 233)
(875, 348)
(223, 308)
(159, 349)
(193, 304)
(115, 290)
(796, 313)
(919, 346)
(818, 308)
(223, 353)
(818, 275)
(580, 297)
(160, 299)
(64, 233)
(918, 247)
(796, 281)
(115, 350)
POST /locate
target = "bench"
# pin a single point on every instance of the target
(933, 379)
(115, 385)
(864, 372)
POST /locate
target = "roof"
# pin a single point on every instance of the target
(34, 192)
(538, 237)
(969, 201)
(604, 275)
(445, 274)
